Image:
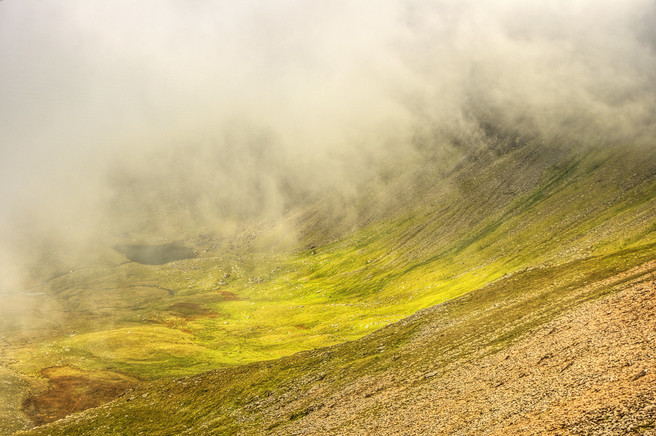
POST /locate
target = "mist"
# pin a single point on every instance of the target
(160, 120)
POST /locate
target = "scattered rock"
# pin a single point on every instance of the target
(545, 357)
(639, 374)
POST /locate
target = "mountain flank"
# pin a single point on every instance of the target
(506, 295)
(571, 357)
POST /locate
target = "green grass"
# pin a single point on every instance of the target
(532, 207)
(248, 398)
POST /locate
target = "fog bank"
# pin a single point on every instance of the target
(163, 119)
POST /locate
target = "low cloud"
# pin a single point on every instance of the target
(160, 119)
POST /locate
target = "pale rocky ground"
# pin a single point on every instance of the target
(591, 371)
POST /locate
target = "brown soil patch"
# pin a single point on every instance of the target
(190, 311)
(72, 390)
(227, 295)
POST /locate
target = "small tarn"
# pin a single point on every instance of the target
(155, 254)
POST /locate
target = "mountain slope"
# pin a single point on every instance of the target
(517, 233)
(494, 360)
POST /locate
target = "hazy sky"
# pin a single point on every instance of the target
(122, 104)
(84, 82)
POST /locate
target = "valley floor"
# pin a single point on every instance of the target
(555, 359)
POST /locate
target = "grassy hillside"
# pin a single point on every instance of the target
(361, 386)
(512, 236)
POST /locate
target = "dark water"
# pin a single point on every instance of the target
(155, 254)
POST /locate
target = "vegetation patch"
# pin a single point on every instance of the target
(229, 296)
(190, 311)
(72, 390)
